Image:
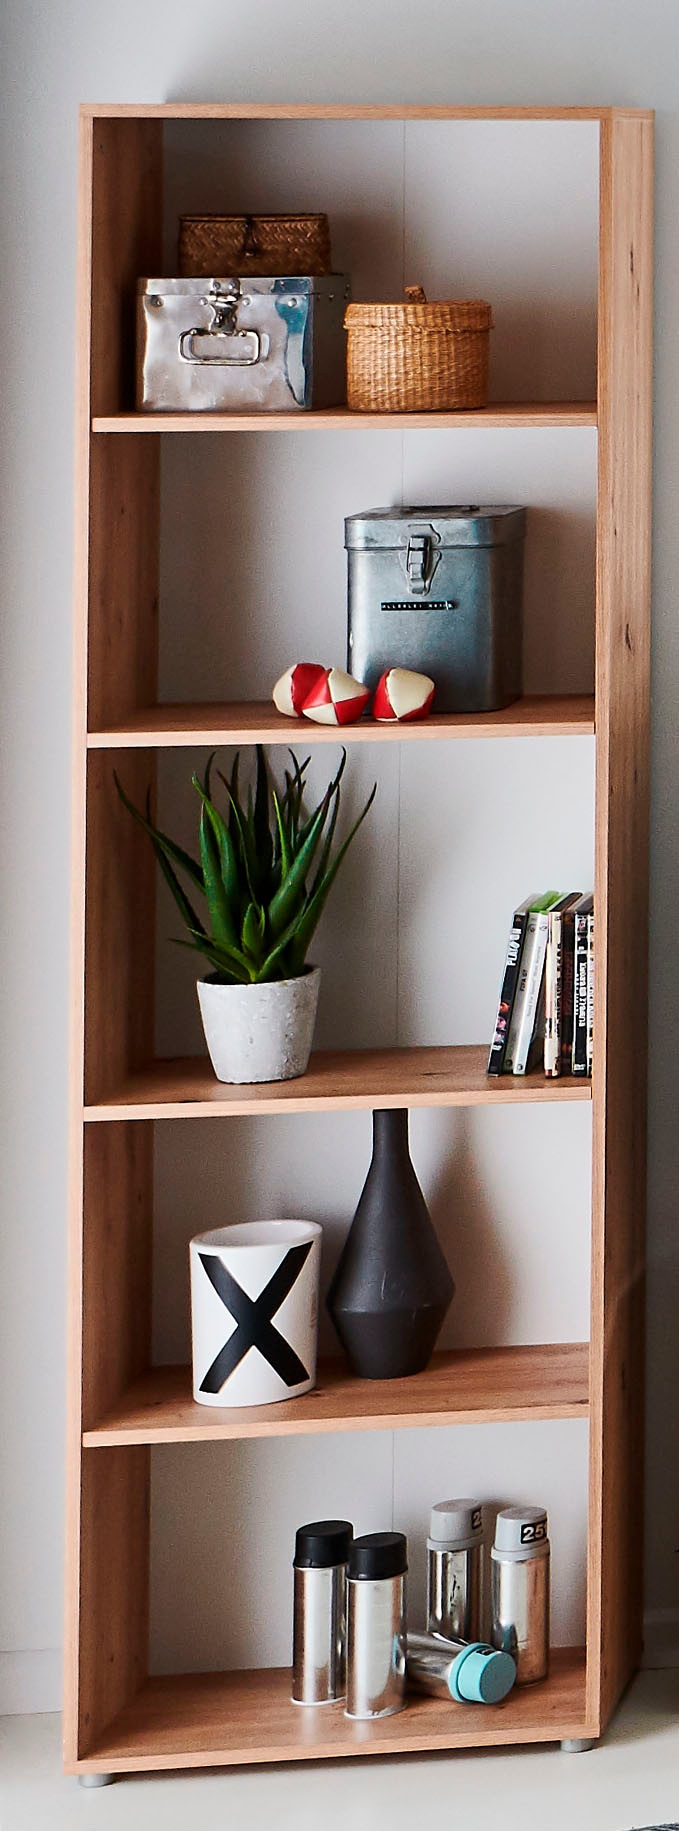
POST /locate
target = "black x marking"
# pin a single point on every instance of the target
(255, 1328)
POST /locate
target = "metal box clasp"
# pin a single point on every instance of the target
(223, 302)
(421, 562)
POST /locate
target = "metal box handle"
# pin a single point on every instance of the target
(257, 348)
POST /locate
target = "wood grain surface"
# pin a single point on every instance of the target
(258, 722)
(338, 419)
(220, 1719)
(471, 1386)
(336, 1081)
(349, 111)
(615, 1580)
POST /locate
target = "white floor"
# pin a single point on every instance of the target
(630, 1780)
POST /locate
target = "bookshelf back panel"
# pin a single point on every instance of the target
(505, 211)
(457, 836)
(221, 1592)
(515, 1464)
(515, 1234)
(253, 567)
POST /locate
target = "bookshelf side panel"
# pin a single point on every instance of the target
(120, 907)
(77, 942)
(124, 534)
(621, 908)
(116, 1292)
(115, 1498)
(127, 176)
(114, 1586)
(126, 243)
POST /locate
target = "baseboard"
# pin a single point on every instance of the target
(30, 1683)
(661, 1637)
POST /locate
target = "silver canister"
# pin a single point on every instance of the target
(520, 1560)
(376, 1629)
(438, 588)
(454, 1554)
(319, 1665)
(467, 1671)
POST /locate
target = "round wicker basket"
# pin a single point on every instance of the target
(426, 356)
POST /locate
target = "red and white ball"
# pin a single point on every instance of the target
(291, 690)
(401, 694)
(336, 699)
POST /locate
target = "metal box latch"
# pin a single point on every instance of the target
(223, 344)
(421, 562)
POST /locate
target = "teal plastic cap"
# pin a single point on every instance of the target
(482, 1675)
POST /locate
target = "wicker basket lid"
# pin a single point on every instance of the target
(421, 314)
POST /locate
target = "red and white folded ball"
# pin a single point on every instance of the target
(291, 690)
(335, 699)
(401, 694)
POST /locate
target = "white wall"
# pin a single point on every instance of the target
(54, 55)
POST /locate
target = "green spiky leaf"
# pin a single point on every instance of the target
(254, 930)
(306, 927)
(222, 921)
(172, 851)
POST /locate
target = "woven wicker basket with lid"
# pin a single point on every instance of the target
(254, 245)
(426, 356)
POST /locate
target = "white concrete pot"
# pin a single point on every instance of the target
(260, 1032)
(254, 1312)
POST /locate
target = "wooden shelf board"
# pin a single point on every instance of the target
(341, 1081)
(340, 419)
(258, 722)
(470, 1386)
(224, 1719)
(353, 111)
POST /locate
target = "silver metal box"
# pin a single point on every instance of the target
(257, 345)
(439, 589)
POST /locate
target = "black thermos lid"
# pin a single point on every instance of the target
(323, 1543)
(379, 1554)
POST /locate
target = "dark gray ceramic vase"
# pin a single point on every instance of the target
(392, 1285)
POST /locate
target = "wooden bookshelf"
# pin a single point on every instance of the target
(116, 1717)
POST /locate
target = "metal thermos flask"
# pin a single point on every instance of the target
(520, 1590)
(454, 1553)
(467, 1671)
(376, 1625)
(319, 1665)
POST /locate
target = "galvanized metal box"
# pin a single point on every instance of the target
(439, 589)
(270, 345)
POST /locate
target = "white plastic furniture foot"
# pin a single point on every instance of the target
(96, 1779)
(577, 1745)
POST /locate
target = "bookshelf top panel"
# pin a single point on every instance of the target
(348, 111)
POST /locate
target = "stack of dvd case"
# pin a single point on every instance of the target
(546, 1007)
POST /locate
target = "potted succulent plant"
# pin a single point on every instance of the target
(266, 868)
